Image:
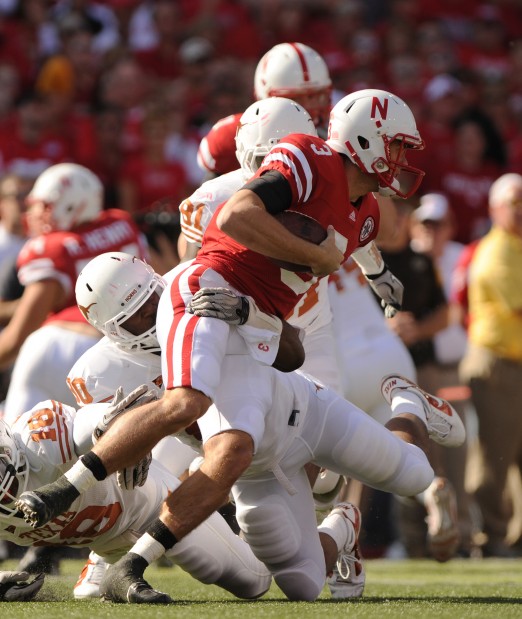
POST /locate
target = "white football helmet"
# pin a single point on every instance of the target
(295, 70)
(362, 127)
(13, 471)
(110, 289)
(263, 124)
(74, 193)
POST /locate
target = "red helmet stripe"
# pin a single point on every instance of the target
(302, 60)
(355, 156)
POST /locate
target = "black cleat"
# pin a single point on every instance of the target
(40, 506)
(123, 582)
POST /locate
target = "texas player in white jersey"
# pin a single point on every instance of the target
(291, 419)
(291, 70)
(67, 228)
(47, 440)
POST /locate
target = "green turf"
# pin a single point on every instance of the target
(461, 588)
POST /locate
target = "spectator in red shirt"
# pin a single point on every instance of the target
(476, 159)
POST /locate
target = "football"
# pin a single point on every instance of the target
(304, 227)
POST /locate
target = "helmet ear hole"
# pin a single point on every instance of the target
(363, 142)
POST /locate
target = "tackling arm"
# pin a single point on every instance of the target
(245, 218)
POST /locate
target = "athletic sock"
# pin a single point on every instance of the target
(155, 542)
(407, 402)
(87, 472)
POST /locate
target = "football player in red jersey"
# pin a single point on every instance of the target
(67, 227)
(369, 134)
(291, 70)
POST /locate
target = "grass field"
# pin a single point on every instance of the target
(461, 588)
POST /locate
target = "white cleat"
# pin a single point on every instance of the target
(348, 577)
(88, 584)
(444, 425)
(442, 519)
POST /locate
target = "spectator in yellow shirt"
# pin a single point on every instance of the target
(492, 365)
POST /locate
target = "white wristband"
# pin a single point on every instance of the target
(369, 259)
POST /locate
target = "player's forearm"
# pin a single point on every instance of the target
(369, 259)
(245, 219)
(11, 341)
(7, 311)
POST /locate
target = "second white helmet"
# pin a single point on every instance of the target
(263, 124)
(74, 193)
(110, 289)
(363, 125)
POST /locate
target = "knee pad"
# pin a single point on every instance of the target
(270, 530)
(302, 582)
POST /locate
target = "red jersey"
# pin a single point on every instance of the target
(317, 179)
(62, 254)
(217, 150)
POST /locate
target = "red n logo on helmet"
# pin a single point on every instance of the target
(379, 106)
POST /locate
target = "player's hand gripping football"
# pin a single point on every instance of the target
(220, 303)
(330, 256)
(19, 586)
(132, 476)
(389, 289)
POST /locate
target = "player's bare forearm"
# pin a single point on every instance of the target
(133, 435)
(291, 354)
(245, 219)
(227, 456)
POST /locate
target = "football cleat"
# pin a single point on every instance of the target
(348, 577)
(88, 584)
(40, 506)
(124, 583)
(444, 425)
(442, 519)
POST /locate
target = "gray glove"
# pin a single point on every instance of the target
(16, 586)
(134, 476)
(220, 303)
(122, 404)
(389, 289)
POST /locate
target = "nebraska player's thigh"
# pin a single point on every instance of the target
(192, 348)
(364, 367)
(41, 368)
(213, 554)
(346, 440)
(282, 531)
(320, 359)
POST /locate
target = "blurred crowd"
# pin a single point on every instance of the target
(128, 88)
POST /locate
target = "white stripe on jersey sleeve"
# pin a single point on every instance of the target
(307, 172)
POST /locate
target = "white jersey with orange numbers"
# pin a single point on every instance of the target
(366, 348)
(105, 518)
(103, 368)
(197, 210)
(108, 519)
